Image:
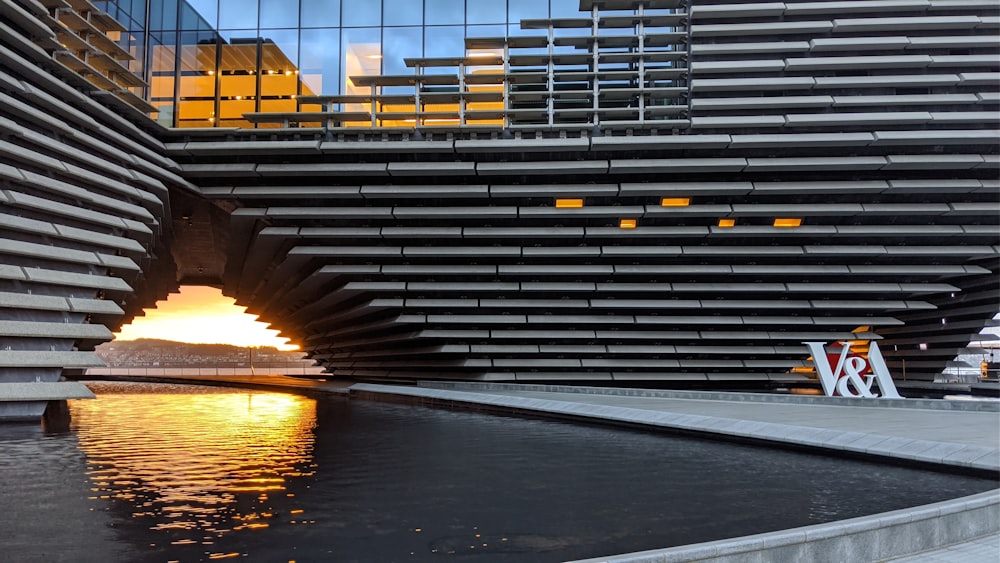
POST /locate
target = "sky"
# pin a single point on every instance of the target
(201, 314)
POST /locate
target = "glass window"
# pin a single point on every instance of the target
(279, 13)
(403, 12)
(207, 9)
(486, 30)
(362, 13)
(237, 14)
(279, 74)
(445, 11)
(527, 9)
(478, 11)
(319, 64)
(400, 43)
(133, 42)
(280, 49)
(137, 12)
(192, 20)
(566, 8)
(162, 59)
(163, 15)
(321, 13)
(444, 40)
(361, 49)
(238, 35)
(238, 76)
(128, 10)
(196, 107)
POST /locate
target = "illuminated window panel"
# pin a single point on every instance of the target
(788, 222)
(627, 224)
(569, 203)
(727, 223)
(675, 202)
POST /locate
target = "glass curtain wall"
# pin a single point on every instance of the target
(208, 62)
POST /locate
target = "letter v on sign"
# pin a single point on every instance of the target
(827, 377)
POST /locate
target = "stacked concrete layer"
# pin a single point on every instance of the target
(83, 208)
(445, 253)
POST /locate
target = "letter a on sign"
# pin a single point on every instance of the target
(853, 375)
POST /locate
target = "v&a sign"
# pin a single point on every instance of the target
(852, 375)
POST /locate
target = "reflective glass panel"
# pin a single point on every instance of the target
(138, 12)
(237, 14)
(362, 56)
(279, 73)
(444, 40)
(445, 11)
(566, 8)
(527, 9)
(162, 58)
(403, 12)
(319, 65)
(196, 107)
(207, 9)
(279, 13)
(486, 30)
(163, 15)
(362, 13)
(192, 20)
(480, 11)
(399, 43)
(238, 80)
(321, 13)
(133, 42)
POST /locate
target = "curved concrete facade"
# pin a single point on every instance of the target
(779, 173)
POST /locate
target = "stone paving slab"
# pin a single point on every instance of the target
(982, 550)
(44, 391)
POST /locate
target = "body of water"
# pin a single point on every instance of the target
(180, 473)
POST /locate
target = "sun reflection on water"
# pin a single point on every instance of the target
(195, 466)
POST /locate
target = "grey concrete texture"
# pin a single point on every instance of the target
(965, 527)
(30, 391)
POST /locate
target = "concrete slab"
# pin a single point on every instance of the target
(43, 391)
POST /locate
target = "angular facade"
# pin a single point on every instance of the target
(640, 191)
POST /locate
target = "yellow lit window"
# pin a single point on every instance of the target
(675, 202)
(569, 203)
(787, 222)
(627, 224)
(727, 222)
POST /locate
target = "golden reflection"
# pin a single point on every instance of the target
(186, 462)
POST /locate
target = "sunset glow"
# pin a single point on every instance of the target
(202, 315)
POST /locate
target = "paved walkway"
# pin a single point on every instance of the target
(967, 436)
(982, 550)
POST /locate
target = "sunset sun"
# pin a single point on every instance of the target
(202, 315)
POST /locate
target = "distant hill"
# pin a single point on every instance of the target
(166, 353)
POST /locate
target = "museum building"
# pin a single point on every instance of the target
(628, 192)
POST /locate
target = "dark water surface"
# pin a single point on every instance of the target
(180, 473)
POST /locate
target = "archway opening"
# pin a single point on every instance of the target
(202, 315)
